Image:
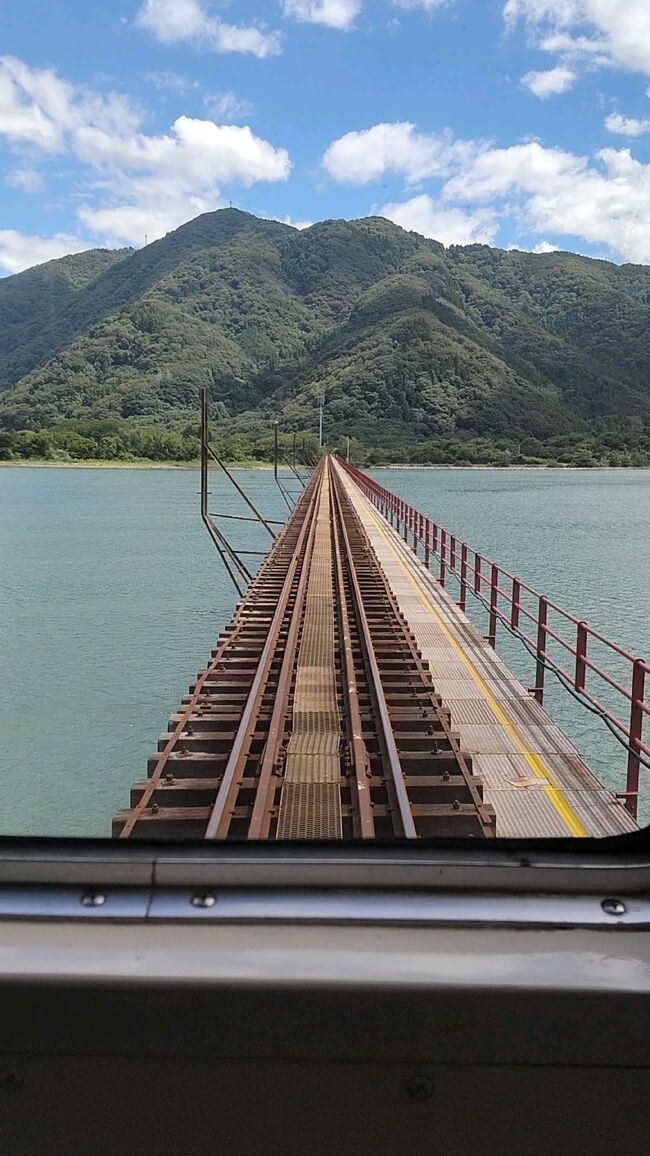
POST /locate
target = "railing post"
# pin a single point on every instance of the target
(636, 734)
(405, 517)
(434, 539)
(516, 602)
(477, 573)
(540, 669)
(494, 593)
(452, 554)
(462, 602)
(443, 553)
(581, 654)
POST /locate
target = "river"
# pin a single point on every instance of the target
(111, 596)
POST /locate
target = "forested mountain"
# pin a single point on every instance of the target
(415, 346)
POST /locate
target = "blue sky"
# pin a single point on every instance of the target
(520, 123)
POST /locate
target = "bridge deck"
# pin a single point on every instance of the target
(534, 777)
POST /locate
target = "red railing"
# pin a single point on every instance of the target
(537, 622)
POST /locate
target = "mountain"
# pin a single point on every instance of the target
(409, 341)
(29, 298)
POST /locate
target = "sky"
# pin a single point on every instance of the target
(517, 123)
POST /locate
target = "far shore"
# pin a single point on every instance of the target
(44, 463)
(91, 464)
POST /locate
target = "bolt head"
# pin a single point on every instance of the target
(93, 899)
(203, 899)
(614, 907)
(10, 1081)
(419, 1088)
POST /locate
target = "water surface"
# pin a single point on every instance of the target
(111, 597)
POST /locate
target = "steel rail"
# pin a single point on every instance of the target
(260, 823)
(434, 540)
(155, 777)
(363, 822)
(240, 491)
(243, 518)
(217, 537)
(239, 622)
(450, 737)
(224, 549)
(219, 820)
(386, 735)
(484, 813)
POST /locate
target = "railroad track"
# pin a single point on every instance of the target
(316, 717)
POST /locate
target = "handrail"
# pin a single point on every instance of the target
(493, 586)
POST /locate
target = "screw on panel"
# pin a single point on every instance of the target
(93, 899)
(419, 1088)
(10, 1081)
(203, 899)
(614, 907)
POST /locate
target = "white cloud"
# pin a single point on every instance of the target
(295, 224)
(626, 125)
(38, 108)
(451, 226)
(19, 251)
(339, 14)
(551, 82)
(545, 247)
(605, 200)
(172, 81)
(527, 167)
(425, 5)
(360, 157)
(186, 21)
(138, 224)
(153, 181)
(160, 182)
(226, 106)
(29, 180)
(614, 32)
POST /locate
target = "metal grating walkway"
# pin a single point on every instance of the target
(534, 777)
(310, 802)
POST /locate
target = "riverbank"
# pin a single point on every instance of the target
(145, 464)
(140, 464)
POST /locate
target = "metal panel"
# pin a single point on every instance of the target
(310, 802)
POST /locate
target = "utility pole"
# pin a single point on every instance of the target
(275, 450)
(321, 404)
(204, 453)
(294, 451)
(347, 451)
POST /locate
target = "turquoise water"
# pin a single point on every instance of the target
(111, 596)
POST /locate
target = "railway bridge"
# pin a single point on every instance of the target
(350, 697)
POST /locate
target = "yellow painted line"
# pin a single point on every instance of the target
(553, 792)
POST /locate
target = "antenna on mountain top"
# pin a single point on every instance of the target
(146, 239)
